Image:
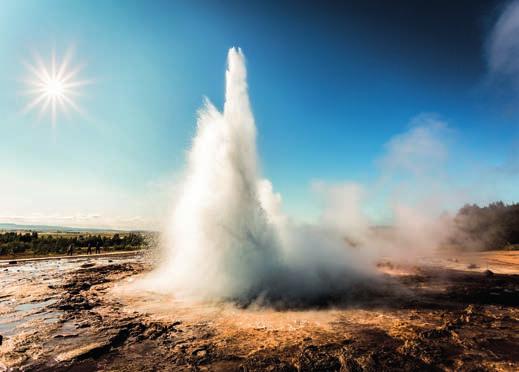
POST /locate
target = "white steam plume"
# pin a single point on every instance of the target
(228, 238)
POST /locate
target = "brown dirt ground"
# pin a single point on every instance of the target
(83, 315)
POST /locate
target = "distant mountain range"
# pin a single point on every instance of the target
(49, 228)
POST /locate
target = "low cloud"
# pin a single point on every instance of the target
(77, 220)
(503, 44)
(423, 148)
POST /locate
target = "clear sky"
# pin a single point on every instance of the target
(337, 91)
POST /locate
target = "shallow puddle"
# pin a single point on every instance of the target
(34, 305)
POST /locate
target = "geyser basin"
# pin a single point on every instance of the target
(227, 238)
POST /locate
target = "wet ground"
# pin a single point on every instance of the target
(454, 313)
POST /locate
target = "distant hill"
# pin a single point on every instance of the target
(50, 228)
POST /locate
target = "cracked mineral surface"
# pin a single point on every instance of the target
(78, 314)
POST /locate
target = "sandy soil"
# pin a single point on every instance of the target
(446, 313)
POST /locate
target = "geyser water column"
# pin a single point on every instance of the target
(227, 238)
(219, 242)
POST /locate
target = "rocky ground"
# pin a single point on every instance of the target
(79, 315)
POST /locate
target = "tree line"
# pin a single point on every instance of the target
(495, 226)
(12, 243)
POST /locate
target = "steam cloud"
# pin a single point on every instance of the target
(228, 238)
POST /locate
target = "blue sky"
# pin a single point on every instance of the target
(330, 88)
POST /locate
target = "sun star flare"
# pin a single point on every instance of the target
(53, 88)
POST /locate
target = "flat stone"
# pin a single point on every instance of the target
(83, 352)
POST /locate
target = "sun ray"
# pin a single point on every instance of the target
(76, 84)
(45, 105)
(64, 64)
(70, 74)
(42, 68)
(33, 103)
(54, 111)
(41, 76)
(71, 103)
(53, 71)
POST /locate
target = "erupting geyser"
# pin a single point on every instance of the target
(227, 238)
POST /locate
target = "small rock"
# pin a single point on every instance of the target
(1, 339)
(314, 359)
(85, 286)
(350, 365)
(488, 273)
(66, 335)
(469, 310)
(12, 262)
(85, 324)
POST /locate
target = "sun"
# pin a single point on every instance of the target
(53, 88)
